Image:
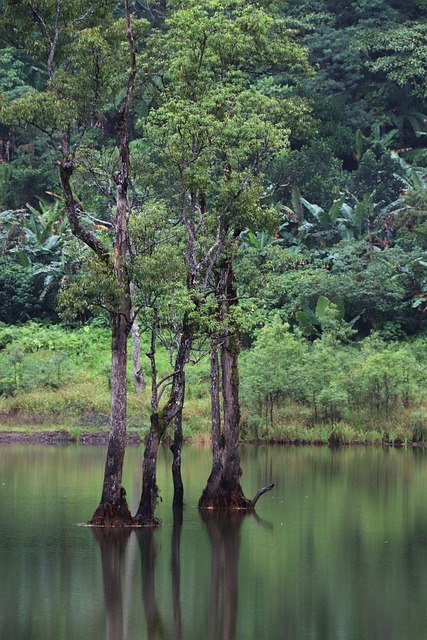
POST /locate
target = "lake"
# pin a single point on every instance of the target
(337, 551)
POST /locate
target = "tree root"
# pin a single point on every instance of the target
(112, 514)
(231, 500)
(140, 521)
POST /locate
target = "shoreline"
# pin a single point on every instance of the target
(67, 437)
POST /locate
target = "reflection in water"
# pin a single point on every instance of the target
(155, 626)
(344, 557)
(176, 571)
(112, 543)
(224, 534)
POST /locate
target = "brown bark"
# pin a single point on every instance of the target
(212, 486)
(223, 489)
(159, 422)
(113, 509)
(176, 448)
(150, 490)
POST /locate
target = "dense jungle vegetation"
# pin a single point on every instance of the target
(322, 155)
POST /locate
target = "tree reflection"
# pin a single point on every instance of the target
(224, 533)
(176, 571)
(155, 625)
(112, 543)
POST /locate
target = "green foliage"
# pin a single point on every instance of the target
(20, 291)
(327, 320)
(13, 73)
(269, 369)
(314, 169)
(376, 175)
(370, 379)
(34, 356)
(400, 53)
(92, 287)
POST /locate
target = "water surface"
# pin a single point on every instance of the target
(338, 550)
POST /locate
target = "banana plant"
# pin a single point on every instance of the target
(33, 235)
(324, 224)
(259, 240)
(353, 222)
(414, 177)
(343, 221)
(326, 319)
(10, 225)
(310, 322)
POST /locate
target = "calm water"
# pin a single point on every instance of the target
(338, 550)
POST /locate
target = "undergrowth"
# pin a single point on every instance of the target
(52, 376)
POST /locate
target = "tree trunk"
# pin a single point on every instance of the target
(113, 509)
(159, 422)
(176, 448)
(223, 489)
(138, 376)
(212, 486)
(150, 490)
(231, 493)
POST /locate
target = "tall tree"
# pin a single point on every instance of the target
(217, 125)
(83, 49)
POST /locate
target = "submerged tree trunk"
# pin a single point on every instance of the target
(212, 486)
(113, 509)
(176, 448)
(223, 489)
(159, 422)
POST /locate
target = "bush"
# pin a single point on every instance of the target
(20, 294)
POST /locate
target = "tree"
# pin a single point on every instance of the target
(215, 129)
(83, 50)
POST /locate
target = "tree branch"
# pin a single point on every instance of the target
(261, 492)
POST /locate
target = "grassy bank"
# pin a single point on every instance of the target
(53, 379)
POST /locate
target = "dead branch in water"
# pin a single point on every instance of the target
(260, 492)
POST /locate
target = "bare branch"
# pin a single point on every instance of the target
(163, 389)
(261, 492)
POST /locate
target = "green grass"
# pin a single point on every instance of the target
(55, 378)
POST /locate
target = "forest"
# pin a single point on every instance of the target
(236, 189)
